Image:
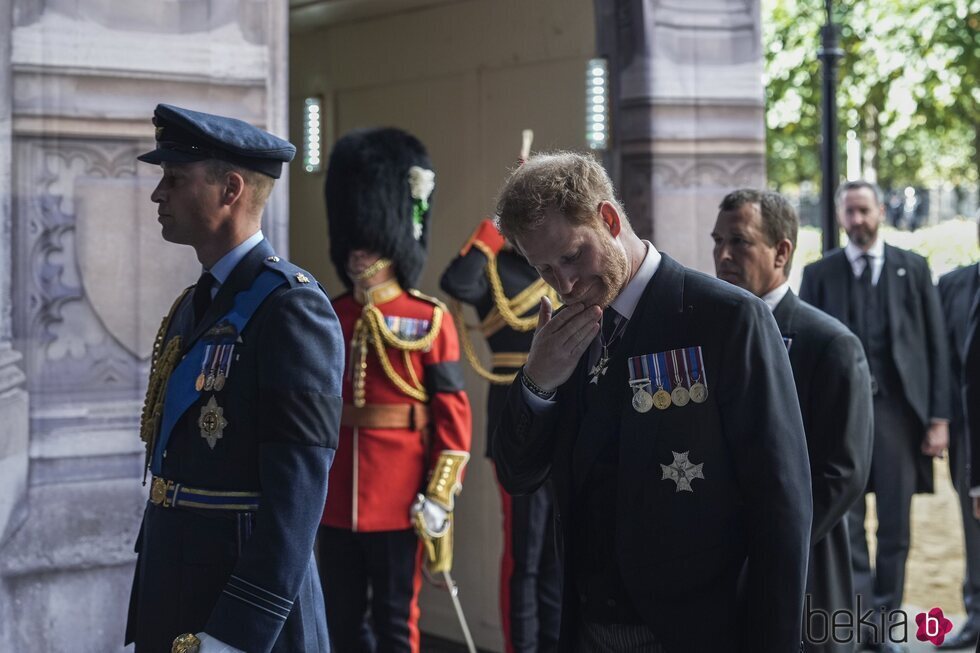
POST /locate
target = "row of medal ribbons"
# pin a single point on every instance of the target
(674, 377)
(215, 367)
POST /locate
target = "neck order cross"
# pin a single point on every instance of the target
(607, 338)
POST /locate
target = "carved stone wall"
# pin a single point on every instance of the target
(687, 113)
(85, 279)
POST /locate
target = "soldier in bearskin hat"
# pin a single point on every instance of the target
(406, 425)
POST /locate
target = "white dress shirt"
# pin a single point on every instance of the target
(774, 296)
(876, 252)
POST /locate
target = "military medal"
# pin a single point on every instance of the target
(679, 395)
(212, 369)
(661, 398)
(219, 377)
(682, 471)
(224, 367)
(699, 390)
(642, 401)
(639, 381)
(201, 378)
(212, 422)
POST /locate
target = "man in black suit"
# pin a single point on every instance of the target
(755, 239)
(971, 398)
(957, 291)
(660, 403)
(885, 295)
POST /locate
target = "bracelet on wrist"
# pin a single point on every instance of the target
(535, 389)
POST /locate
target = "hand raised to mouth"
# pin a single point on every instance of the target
(559, 342)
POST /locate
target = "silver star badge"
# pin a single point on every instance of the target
(682, 471)
(212, 422)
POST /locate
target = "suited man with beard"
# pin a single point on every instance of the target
(885, 295)
(755, 239)
(675, 448)
(958, 290)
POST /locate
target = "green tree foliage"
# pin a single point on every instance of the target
(908, 87)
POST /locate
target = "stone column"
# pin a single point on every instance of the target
(85, 279)
(687, 113)
(13, 397)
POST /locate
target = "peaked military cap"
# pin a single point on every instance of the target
(185, 136)
(378, 194)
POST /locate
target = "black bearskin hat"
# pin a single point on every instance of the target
(371, 179)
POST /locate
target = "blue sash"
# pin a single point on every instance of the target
(181, 393)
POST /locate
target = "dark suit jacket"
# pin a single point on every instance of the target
(915, 321)
(956, 291)
(680, 553)
(971, 390)
(248, 578)
(834, 386)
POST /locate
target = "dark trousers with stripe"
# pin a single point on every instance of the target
(371, 584)
(530, 580)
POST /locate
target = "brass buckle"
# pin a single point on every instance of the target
(158, 492)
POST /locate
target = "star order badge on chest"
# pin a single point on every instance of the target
(212, 422)
(682, 471)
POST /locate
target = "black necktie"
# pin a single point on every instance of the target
(202, 296)
(866, 274)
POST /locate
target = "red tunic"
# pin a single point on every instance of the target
(377, 473)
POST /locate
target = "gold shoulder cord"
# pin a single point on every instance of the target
(468, 351)
(372, 330)
(508, 310)
(162, 364)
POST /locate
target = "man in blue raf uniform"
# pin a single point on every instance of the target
(241, 414)
(660, 404)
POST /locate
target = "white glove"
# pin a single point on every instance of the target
(435, 516)
(214, 645)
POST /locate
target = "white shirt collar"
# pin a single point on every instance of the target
(853, 252)
(222, 269)
(625, 303)
(774, 296)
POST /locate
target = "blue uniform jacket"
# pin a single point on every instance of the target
(249, 578)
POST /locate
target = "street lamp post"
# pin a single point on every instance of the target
(829, 53)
